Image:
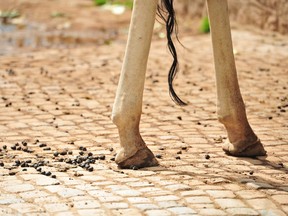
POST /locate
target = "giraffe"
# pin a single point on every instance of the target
(127, 107)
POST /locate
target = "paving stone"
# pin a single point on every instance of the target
(56, 207)
(176, 187)
(26, 208)
(181, 210)
(92, 212)
(157, 212)
(116, 205)
(212, 212)
(128, 193)
(129, 211)
(47, 199)
(220, 194)
(139, 184)
(70, 192)
(110, 198)
(230, 203)
(37, 214)
(258, 185)
(168, 204)
(86, 204)
(282, 199)
(285, 209)
(203, 206)
(138, 200)
(7, 211)
(272, 212)
(242, 212)
(193, 193)
(250, 194)
(198, 199)
(33, 194)
(9, 199)
(146, 206)
(68, 213)
(165, 198)
(261, 203)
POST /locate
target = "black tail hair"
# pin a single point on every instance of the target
(166, 12)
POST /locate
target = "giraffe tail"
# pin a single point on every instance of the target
(166, 12)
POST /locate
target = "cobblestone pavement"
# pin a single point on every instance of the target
(58, 143)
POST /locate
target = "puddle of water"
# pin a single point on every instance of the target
(14, 38)
(7, 28)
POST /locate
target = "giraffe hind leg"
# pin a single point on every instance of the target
(254, 149)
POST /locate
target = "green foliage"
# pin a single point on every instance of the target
(126, 3)
(100, 2)
(55, 14)
(205, 26)
(9, 14)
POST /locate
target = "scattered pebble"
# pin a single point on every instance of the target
(207, 156)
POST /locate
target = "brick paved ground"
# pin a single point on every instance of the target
(60, 101)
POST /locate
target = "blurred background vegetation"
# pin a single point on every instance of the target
(127, 3)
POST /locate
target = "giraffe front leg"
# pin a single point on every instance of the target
(128, 102)
(231, 109)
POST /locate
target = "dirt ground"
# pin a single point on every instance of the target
(46, 24)
(59, 68)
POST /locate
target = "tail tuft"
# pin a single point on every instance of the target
(166, 12)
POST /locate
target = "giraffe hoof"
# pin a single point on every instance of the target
(253, 150)
(142, 158)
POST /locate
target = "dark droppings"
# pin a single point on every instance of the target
(63, 153)
(84, 159)
(102, 157)
(134, 167)
(159, 156)
(42, 145)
